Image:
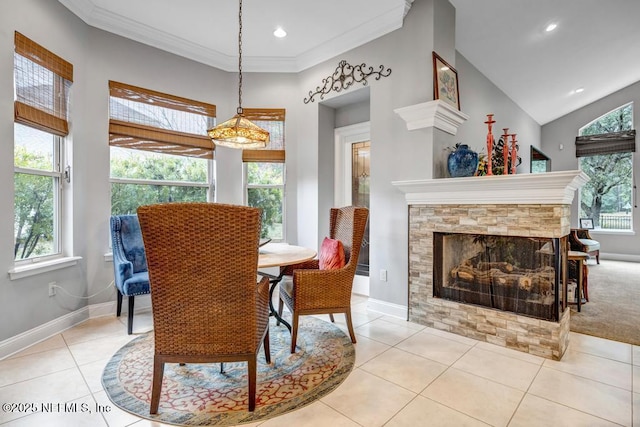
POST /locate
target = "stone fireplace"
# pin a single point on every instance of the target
(533, 207)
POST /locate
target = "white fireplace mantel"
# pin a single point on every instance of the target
(436, 114)
(539, 188)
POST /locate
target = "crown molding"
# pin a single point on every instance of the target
(436, 114)
(124, 26)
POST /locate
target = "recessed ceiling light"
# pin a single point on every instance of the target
(580, 89)
(279, 32)
(551, 27)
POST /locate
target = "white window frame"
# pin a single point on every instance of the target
(246, 186)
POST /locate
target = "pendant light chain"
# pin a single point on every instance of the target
(240, 60)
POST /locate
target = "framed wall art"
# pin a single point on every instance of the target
(445, 82)
(586, 223)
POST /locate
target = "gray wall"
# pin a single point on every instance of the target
(614, 245)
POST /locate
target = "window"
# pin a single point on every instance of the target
(42, 82)
(605, 148)
(160, 151)
(264, 173)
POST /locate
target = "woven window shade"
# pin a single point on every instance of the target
(144, 119)
(608, 143)
(42, 84)
(271, 120)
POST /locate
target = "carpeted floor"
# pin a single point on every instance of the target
(198, 394)
(613, 310)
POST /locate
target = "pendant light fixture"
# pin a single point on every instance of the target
(239, 132)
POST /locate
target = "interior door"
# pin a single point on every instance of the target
(352, 186)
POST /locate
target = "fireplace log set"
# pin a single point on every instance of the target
(503, 286)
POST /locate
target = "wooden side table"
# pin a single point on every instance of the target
(580, 258)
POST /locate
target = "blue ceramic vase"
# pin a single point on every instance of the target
(462, 162)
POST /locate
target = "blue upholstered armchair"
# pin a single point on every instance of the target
(129, 261)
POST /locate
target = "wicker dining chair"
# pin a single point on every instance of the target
(203, 262)
(306, 289)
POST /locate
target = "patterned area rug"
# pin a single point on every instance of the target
(197, 395)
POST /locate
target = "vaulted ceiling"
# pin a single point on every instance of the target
(594, 46)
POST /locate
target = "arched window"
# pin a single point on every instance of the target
(605, 149)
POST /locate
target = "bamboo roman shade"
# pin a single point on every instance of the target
(144, 119)
(271, 120)
(42, 83)
(608, 143)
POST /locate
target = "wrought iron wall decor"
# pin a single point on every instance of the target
(346, 75)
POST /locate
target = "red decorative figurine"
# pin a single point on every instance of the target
(514, 152)
(489, 122)
(505, 151)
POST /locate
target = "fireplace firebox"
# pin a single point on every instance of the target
(515, 274)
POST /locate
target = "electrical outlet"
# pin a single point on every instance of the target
(383, 275)
(52, 289)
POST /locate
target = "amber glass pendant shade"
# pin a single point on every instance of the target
(239, 132)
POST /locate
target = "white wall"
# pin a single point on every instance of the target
(625, 245)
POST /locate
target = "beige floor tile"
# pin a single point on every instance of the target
(535, 412)
(58, 387)
(115, 416)
(636, 355)
(91, 351)
(597, 368)
(636, 409)
(77, 413)
(474, 396)
(34, 365)
(422, 411)
(636, 379)
(595, 398)
(404, 369)
(92, 329)
(434, 347)
(403, 322)
(451, 336)
(52, 343)
(92, 373)
(502, 369)
(315, 415)
(511, 353)
(142, 322)
(601, 347)
(367, 349)
(367, 399)
(386, 332)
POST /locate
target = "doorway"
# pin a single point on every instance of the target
(352, 186)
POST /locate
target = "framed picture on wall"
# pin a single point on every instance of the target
(586, 223)
(445, 82)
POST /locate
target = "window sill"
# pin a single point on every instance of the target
(597, 232)
(27, 270)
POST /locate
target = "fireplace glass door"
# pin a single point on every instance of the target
(515, 274)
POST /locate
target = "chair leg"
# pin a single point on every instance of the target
(585, 281)
(119, 304)
(331, 317)
(352, 334)
(598, 256)
(267, 349)
(156, 387)
(280, 307)
(294, 332)
(130, 315)
(252, 365)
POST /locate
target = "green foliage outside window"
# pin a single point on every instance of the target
(266, 191)
(126, 197)
(608, 194)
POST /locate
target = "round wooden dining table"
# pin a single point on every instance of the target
(281, 255)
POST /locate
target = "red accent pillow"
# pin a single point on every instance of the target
(331, 254)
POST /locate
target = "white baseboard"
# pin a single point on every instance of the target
(390, 309)
(40, 333)
(620, 257)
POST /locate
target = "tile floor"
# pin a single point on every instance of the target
(405, 375)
